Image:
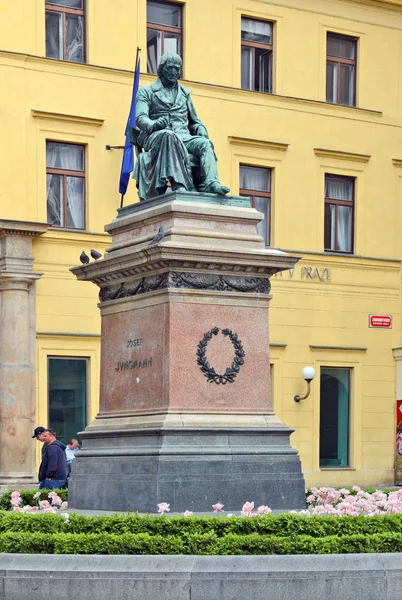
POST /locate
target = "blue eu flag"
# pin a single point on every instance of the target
(128, 156)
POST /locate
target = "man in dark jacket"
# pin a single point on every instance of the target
(38, 435)
(53, 470)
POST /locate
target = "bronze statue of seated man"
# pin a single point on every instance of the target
(169, 131)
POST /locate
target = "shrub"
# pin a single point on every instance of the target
(201, 544)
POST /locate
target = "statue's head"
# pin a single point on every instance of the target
(170, 68)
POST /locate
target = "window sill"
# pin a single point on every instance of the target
(337, 469)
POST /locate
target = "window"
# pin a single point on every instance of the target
(164, 31)
(65, 28)
(256, 182)
(338, 226)
(65, 185)
(256, 55)
(67, 395)
(341, 69)
(334, 417)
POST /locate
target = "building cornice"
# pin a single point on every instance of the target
(27, 228)
(342, 155)
(53, 116)
(255, 143)
(390, 4)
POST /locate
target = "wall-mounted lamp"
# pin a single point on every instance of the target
(308, 373)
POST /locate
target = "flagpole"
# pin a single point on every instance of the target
(135, 71)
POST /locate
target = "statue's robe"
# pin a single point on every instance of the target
(167, 151)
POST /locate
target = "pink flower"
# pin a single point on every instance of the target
(217, 507)
(63, 505)
(44, 504)
(264, 510)
(188, 513)
(17, 509)
(163, 507)
(248, 507)
(36, 496)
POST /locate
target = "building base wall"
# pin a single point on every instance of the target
(190, 470)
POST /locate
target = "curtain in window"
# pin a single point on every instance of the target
(53, 35)
(340, 189)
(74, 38)
(256, 31)
(254, 178)
(71, 158)
(66, 3)
(154, 49)
(53, 188)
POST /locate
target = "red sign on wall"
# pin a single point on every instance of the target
(399, 414)
(381, 321)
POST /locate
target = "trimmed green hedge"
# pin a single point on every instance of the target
(283, 525)
(206, 544)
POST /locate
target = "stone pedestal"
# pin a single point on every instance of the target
(185, 410)
(17, 353)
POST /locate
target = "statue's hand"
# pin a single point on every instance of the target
(160, 123)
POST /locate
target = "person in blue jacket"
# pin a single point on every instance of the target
(53, 470)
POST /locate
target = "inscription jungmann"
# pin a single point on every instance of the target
(126, 365)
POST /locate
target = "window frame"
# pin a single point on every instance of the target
(345, 61)
(260, 194)
(326, 463)
(64, 10)
(168, 29)
(87, 375)
(69, 173)
(259, 45)
(339, 202)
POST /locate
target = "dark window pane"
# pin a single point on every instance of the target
(247, 68)
(65, 156)
(74, 38)
(54, 197)
(339, 188)
(163, 14)
(255, 178)
(329, 227)
(332, 81)
(171, 43)
(67, 394)
(75, 202)
(263, 70)
(53, 35)
(256, 31)
(154, 50)
(341, 47)
(334, 417)
(346, 91)
(344, 229)
(263, 206)
(67, 3)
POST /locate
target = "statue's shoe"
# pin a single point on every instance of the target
(216, 188)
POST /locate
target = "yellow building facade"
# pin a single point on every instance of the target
(308, 93)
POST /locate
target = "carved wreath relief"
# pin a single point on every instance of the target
(238, 360)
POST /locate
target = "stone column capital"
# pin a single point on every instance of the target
(16, 247)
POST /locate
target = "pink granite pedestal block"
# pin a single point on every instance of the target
(185, 410)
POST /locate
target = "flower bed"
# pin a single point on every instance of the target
(370, 522)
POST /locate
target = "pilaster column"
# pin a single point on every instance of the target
(17, 351)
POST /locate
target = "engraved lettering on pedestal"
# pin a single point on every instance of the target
(126, 365)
